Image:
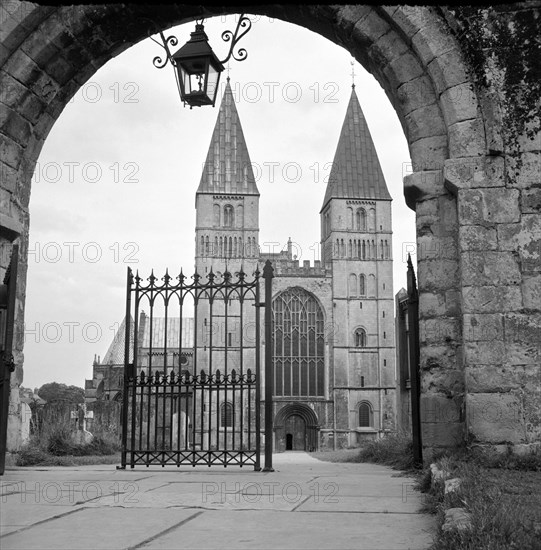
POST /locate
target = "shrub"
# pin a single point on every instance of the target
(394, 450)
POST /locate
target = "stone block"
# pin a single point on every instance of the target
(483, 327)
(61, 70)
(8, 177)
(10, 153)
(488, 353)
(440, 330)
(425, 122)
(524, 170)
(438, 275)
(422, 185)
(14, 126)
(457, 519)
(431, 304)
(369, 28)
(442, 435)
(531, 291)
(523, 239)
(428, 153)
(403, 69)
(491, 299)
(459, 103)
(415, 94)
(466, 139)
(523, 337)
(30, 107)
(485, 378)
(430, 248)
(441, 359)
(431, 41)
(387, 48)
(22, 68)
(5, 201)
(473, 172)
(531, 200)
(447, 70)
(410, 19)
(477, 238)
(488, 206)
(495, 417)
(489, 268)
(440, 408)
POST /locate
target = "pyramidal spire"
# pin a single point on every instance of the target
(228, 168)
(356, 172)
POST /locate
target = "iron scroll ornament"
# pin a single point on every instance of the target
(243, 26)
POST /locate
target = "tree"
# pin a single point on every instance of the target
(53, 391)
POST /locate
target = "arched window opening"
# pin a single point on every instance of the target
(202, 246)
(362, 285)
(360, 338)
(352, 284)
(226, 415)
(365, 415)
(363, 254)
(229, 216)
(350, 218)
(350, 253)
(361, 219)
(299, 344)
(216, 215)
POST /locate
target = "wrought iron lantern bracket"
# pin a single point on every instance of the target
(244, 24)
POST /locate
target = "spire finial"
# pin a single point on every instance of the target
(352, 63)
(228, 68)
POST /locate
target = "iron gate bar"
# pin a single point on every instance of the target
(7, 365)
(268, 275)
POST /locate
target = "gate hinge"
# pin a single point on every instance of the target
(261, 304)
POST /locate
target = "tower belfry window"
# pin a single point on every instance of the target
(229, 216)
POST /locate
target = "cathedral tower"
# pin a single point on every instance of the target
(227, 200)
(356, 244)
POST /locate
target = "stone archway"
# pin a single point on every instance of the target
(296, 428)
(474, 151)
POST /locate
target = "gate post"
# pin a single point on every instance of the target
(268, 275)
(125, 397)
(7, 366)
(414, 354)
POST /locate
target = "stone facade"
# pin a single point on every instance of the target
(465, 84)
(347, 360)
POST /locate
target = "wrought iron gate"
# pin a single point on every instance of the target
(192, 373)
(414, 363)
(7, 317)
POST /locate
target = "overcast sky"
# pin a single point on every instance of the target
(116, 180)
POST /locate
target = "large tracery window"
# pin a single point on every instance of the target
(299, 344)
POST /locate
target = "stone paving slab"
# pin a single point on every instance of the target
(283, 530)
(305, 503)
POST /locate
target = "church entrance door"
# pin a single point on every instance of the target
(295, 429)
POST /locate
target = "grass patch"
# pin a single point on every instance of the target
(55, 447)
(395, 450)
(504, 501)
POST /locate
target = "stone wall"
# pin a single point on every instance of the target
(465, 85)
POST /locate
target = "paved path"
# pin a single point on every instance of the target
(304, 504)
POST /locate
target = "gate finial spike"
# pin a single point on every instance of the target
(268, 270)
